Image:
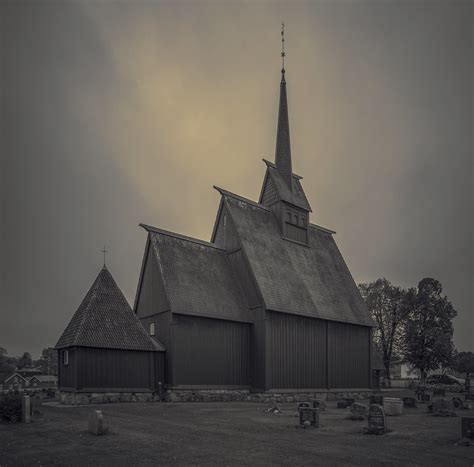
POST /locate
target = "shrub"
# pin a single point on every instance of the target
(10, 408)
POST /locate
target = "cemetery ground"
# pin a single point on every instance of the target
(229, 433)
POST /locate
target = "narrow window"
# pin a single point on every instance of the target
(288, 216)
(296, 219)
(152, 329)
(302, 221)
(66, 357)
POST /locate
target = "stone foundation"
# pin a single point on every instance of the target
(205, 395)
(85, 398)
(211, 395)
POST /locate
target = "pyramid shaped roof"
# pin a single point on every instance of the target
(104, 319)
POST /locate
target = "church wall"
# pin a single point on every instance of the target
(67, 373)
(210, 352)
(297, 351)
(152, 297)
(349, 355)
(118, 370)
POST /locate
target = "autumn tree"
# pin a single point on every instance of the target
(429, 329)
(389, 306)
(49, 361)
(464, 363)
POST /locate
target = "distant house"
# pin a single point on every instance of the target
(43, 381)
(401, 370)
(13, 381)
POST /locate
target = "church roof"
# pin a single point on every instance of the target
(198, 277)
(104, 319)
(296, 196)
(305, 280)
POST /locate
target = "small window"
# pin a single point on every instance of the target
(152, 329)
(302, 221)
(288, 216)
(66, 357)
(295, 219)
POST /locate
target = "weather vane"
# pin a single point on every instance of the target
(283, 47)
(104, 251)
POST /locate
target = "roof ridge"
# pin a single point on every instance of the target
(323, 229)
(150, 228)
(273, 165)
(240, 198)
(93, 298)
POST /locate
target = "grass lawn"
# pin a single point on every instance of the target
(228, 433)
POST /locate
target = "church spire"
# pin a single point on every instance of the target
(283, 148)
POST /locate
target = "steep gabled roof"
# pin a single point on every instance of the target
(197, 277)
(104, 319)
(296, 196)
(308, 280)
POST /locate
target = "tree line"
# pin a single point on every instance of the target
(415, 325)
(48, 362)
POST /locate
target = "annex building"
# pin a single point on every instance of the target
(267, 305)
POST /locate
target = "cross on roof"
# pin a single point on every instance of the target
(104, 251)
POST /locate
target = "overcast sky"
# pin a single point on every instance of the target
(115, 113)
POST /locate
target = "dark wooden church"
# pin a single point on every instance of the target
(268, 305)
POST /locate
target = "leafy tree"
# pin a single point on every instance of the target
(49, 361)
(429, 329)
(6, 364)
(464, 363)
(389, 306)
(25, 361)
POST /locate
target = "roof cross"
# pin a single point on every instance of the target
(283, 54)
(104, 251)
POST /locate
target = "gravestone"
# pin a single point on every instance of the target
(309, 417)
(25, 409)
(349, 401)
(439, 392)
(393, 406)
(319, 404)
(376, 398)
(425, 397)
(341, 404)
(409, 402)
(442, 407)
(302, 405)
(358, 411)
(467, 427)
(96, 422)
(377, 424)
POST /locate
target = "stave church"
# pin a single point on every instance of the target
(267, 306)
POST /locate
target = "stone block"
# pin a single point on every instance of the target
(96, 423)
(358, 411)
(392, 406)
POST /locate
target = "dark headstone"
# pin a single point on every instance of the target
(349, 401)
(442, 407)
(376, 398)
(409, 402)
(96, 422)
(309, 417)
(377, 424)
(467, 427)
(439, 392)
(358, 411)
(341, 404)
(425, 397)
(319, 404)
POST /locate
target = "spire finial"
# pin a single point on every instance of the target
(283, 54)
(104, 251)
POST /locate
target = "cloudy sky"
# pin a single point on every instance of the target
(115, 113)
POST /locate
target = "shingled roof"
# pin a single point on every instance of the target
(198, 277)
(295, 196)
(104, 319)
(305, 280)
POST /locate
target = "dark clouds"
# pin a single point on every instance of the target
(120, 113)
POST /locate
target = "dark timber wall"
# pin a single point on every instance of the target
(67, 373)
(115, 370)
(210, 352)
(312, 353)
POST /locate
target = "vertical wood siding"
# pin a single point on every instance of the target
(152, 297)
(119, 369)
(349, 355)
(67, 372)
(244, 275)
(297, 352)
(210, 352)
(269, 195)
(294, 232)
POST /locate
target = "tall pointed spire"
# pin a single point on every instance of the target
(283, 147)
